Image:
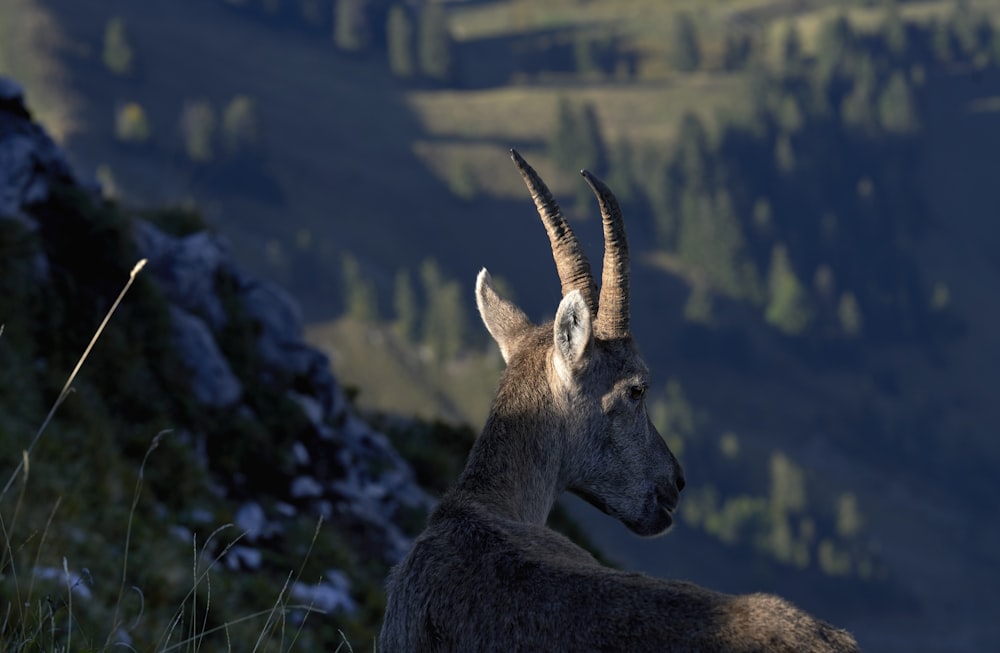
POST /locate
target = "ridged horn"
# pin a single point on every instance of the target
(613, 306)
(571, 262)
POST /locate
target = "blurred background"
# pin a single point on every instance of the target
(811, 197)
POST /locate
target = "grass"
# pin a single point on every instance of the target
(394, 379)
(479, 126)
(39, 613)
(351, 120)
(409, 140)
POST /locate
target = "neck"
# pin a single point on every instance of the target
(514, 467)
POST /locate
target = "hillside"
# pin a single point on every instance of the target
(809, 198)
(204, 458)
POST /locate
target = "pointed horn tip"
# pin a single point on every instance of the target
(596, 185)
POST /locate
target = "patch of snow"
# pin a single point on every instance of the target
(329, 595)
(78, 583)
(244, 557)
(301, 454)
(251, 520)
(306, 486)
(202, 515)
(312, 408)
(181, 533)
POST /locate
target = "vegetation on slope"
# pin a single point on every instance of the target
(129, 483)
(802, 244)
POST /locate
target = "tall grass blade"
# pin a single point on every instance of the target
(67, 388)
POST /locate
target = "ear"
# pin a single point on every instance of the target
(572, 332)
(503, 320)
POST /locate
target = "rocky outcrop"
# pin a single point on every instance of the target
(337, 468)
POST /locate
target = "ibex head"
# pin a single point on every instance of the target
(595, 421)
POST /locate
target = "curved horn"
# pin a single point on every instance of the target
(571, 262)
(613, 306)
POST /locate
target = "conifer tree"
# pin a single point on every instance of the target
(686, 55)
(788, 306)
(240, 127)
(131, 124)
(835, 44)
(350, 26)
(691, 153)
(784, 154)
(897, 109)
(584, 60)
(711, 244)
(399, 35)
(737, 50)
(858, 108)
(966, 27)
(621, 175)
(849, 314)
(444, 317)
(791, 48)
(593, 150)
(404, 302)
(119, 57)
(942, 41)
(564, 147)
(434, 43)
(894, 29)
(198, 126)
(359, 293)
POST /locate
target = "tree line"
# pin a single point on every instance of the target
(802, 206)
(428, 309)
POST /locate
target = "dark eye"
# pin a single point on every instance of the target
(637, 392)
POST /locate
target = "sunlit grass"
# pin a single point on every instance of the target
(30, 41)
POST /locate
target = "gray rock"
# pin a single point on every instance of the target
(212, 381)
(330, 596)
(187, 268)
(375, 483)
(30, 162)
(250, 519)
(306, 486)
(11, 91)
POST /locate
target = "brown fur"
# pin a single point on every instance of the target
(488, 575)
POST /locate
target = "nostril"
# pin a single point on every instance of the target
(680, 483)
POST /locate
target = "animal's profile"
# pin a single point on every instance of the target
(569, 414)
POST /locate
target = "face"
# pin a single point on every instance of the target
(625, 468)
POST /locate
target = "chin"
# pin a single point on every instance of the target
(652, 526)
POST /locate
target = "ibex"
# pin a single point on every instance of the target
(569, 414)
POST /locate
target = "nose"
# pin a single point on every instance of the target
(680, 479)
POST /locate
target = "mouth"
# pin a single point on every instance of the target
(659, 516)
(667, 501)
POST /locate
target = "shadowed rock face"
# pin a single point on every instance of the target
(340, 467)
(29, 160)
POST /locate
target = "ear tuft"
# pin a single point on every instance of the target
(505, 321)
(572, 333)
